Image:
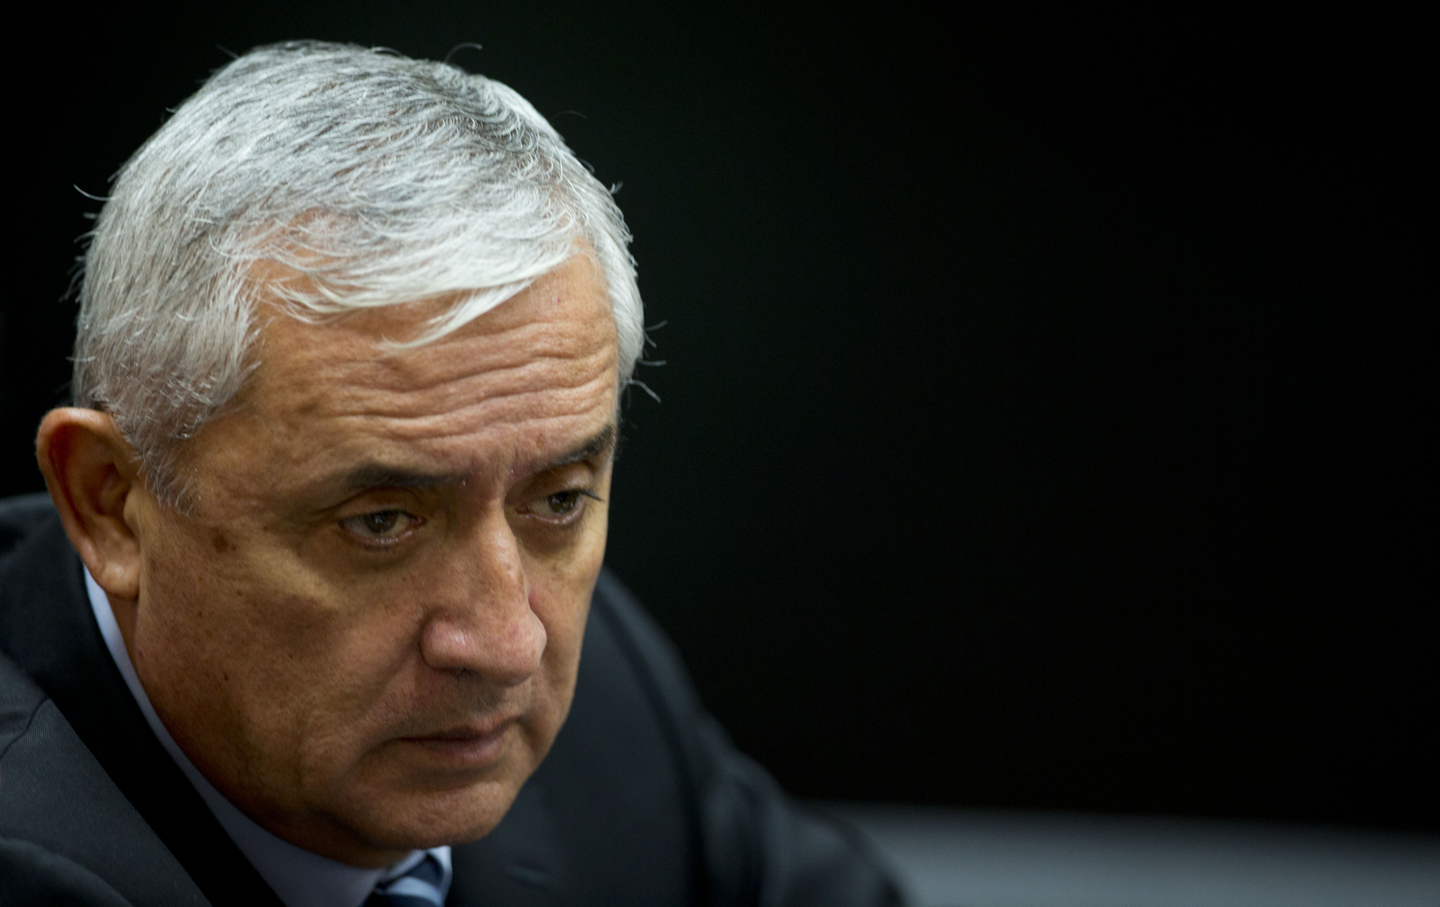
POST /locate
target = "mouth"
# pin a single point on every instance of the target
(470, 745)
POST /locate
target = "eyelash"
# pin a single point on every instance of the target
(577, 508)
(381, 542)
(385, 541)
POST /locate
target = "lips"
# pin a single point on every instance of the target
(471, 745)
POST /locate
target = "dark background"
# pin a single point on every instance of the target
(1041, 420)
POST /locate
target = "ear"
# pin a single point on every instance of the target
(91, 472)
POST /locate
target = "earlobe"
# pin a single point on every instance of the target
(90, 471)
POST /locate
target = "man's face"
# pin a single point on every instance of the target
(366, 633)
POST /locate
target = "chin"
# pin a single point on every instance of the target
(425, 793)
(433, 818)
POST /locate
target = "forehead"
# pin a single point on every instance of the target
(536, 370)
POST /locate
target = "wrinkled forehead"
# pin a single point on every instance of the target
(547, 353)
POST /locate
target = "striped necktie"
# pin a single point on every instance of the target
(423, 885)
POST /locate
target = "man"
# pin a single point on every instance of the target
(302, 620)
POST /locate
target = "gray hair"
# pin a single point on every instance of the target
(382, 179)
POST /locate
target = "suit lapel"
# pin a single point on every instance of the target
(49, 630)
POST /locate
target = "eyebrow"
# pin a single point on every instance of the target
(597, 445)
(377, 475)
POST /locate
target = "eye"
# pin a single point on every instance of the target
(381, 525)
(562, 505)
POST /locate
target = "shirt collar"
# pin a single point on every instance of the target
(299, 877)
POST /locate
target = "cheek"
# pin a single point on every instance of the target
(187, 613)
(233, 647)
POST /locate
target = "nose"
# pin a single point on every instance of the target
(487, 626)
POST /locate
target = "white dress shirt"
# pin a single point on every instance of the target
(299, 877)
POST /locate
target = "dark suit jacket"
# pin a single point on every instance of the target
(641, 801)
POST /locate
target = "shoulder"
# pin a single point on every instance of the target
(647, 652)
(67, 833)
(33, 860)
(65, 829)
(746, 840)
(20, 516)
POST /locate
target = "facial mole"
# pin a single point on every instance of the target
(220, 543)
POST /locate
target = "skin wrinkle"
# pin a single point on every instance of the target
(523, 462)
(543, 362)
(524, 372)
(290, 666)
(515, 397)
(423, 427)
